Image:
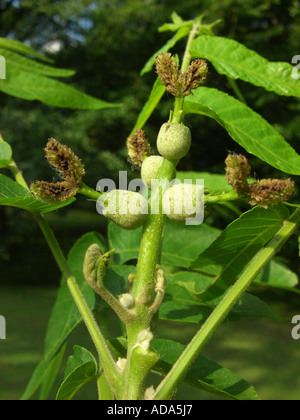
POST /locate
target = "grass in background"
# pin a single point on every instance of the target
(263, 352)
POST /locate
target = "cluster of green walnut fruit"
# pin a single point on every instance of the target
(129, 209)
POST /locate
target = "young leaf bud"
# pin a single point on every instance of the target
(121, 363)
(127, 209)
(183, 201)
(174, 140)
(94, 265)
(147, 296)
(144, 339)
(126, 301)
(149, 393)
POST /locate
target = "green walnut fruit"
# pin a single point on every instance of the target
(150, 168)
(127, 209)
(183, 201)
(174, 140)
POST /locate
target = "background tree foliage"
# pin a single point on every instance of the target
(107, 43)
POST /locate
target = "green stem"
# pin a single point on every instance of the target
(18, 174)
(178, 115)
(170, 382)
(89, 192)
(229, 196)
(187, 55)
(106, 359)
(236, 90)
(150, 250)
(105, 356)
(104, 391)
(152, 233)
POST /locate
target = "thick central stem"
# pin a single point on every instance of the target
(150, 250)
(150, 246)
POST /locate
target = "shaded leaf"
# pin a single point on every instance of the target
(204, 373)
(156, 94)
(185, 301)
(31, 86)
(5, 154)
(81, 369)
(181, 243)
(51, 374)
(18, 61)
(279, 276)
(21, 48)
(237, 245)
(246, 127)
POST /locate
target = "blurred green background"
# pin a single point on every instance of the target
(107, 43)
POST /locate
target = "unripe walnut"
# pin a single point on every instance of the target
(174, 140)
(127, 209)
(150, 168)
(183, 201)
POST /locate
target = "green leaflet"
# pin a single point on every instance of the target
(51, 375)
(65, 316)
(5, 154)
(279, 276)
(182, 32)
(27, 79)
(238, 62)
(181, 243)
(246, 127)
(13, 194)
(184, 301)
(32, 86)
(14, 60)
(237, 245)
(156, 94)
(214, 182)
(204, 373)
(21, 48)
(81, 369)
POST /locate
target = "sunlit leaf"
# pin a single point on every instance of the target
(233, 59)
(246, 127)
